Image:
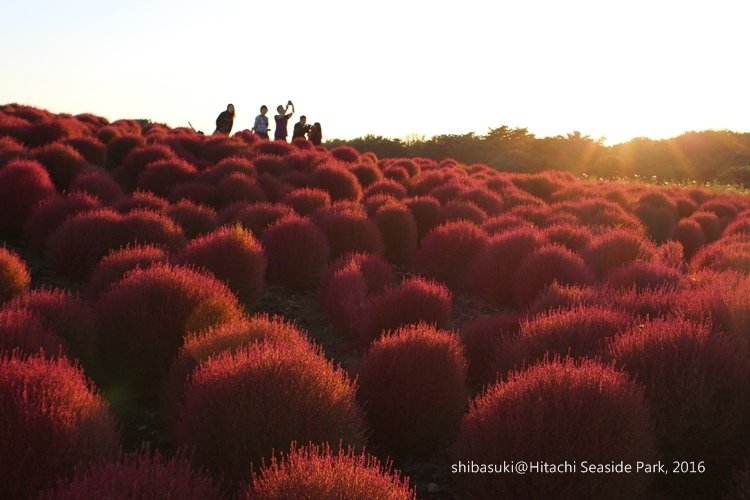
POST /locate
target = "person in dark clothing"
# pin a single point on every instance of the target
(301, 128)
(315, 135)
(225, 120)
(260, 126)
(281, 120)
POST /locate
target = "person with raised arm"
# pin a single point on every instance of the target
(281, 121)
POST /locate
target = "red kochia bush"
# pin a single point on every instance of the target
(62, 162)
(386, 186)
(317, 472)
(348, 229)
(237, 187)
(377, 272)
(446, 252)
(338, 182)
(91, 148)
(643, 275)
(414, 300)
(258, 216)
(492, 271)
(426, 212)
(14, 275)
(698, 385)
(138, 159)
(137, 476)
(234, 256)
(544, 266)
(482, 338)
(558, 412)
(297, 252)
(80, 242)
(119, 262)
(572, 236)
(270, 395)
(147, 314)
(345, 153)
(51, 421)
(46, 217)
(615, 248)
(98, 183)
(344, 298)
(23, 185)
(461, 210)
(141, 200)
(399, 232)
(412, 386)
(23, 331)
(366, 174)
(148, 227)
(119, 147)
(689, 233)
(161, 175)
(305, 201)
(193, 218)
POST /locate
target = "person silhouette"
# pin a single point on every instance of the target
(281, 120)
(315, 135)
(301, 128)
(225, 120)
(261, 123)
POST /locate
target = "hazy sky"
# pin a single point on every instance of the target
(617, 69)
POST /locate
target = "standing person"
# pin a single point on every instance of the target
(315, 135)
(225, 120)
(281, 120)
(261, 123)
(301, 128)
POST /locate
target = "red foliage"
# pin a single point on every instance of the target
(62, 162)
(709, 223)
(159, 176)
(694, 379)
(340, 183)
(490, 203)
(617, 247)
(22, 331)
(215, 173)
(137, 160)
(270, 164)
(345, 153)
(426, 212)
(23, 185)
(297, 252)
(234, 256)
(52, 421)
(148, 227)
(723, 255)
(147, 314)
(198, 192)
(492, 271)
(344, 299)
(572, 236)
(258, 216)
(412, 386)
(270, 396)
(118, 263)
(139, 475)
(482, 338)
(557, 413)
(277, 148)
(461, 210)
(81, 241)
(119, 147)
(348, 229)
(689, 233)
(305, 201)
(98, 183)
(237, 187)
(386, 186)
(643, 275)
(377, 272)
(193, 218)
(398, 230)
(91, 148)
(141, 200)
(317, 472)
(51, 213)
(14, 275)
(446, 252)
(415, 300)
(366, 174)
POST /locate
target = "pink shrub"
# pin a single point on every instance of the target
(689, 233)
(461, 210)
(642, 275)
(348, 229)
(147, 314)
(386, 186)
(49, 214)
(500, 223)
(271, 395)
(709, 223)
(412, 386)
(694, 380)
(482, 338)
(193, 218)
(81, 241)
(426, 212)
(615, 248)
(545, 265)
(14, 275)
(573, 237)
(723, 255)
(237, 187)
(366, 174)
(486, 200)
(273, 148)
(138, 159)
(159, 176)
(492, 271)
(305, 201)
(338, 182)
(98, 183)
(270, 164)
(398, 230)
(62, 162)
(558, 413)
(119, 262)
(345, 153)
(139, 475)
(23, 332)
(147, 227)
(297, 252)
(317, 472)
(23, 185)
(377, 273)
(234, 256)
(215, 173)
(446, 252)
(52, 421)
(415, 300)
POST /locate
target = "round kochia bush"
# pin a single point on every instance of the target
(297, 252)
(118, 262)
(23, 331)
(412, 386)
(348, 229)
(134, 476)
(482, 337)
(23, 185)
(338, 182)
(14, 275)
(145, 316)
(234, 256)
(307, 200)
(446, 252)
(51, 420)
(557, 412)
(615, 248)
(698, 384)
(318, 472)
(242, 406)
(52, 212)
(398, 230)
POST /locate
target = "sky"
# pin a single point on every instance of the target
(609, 69)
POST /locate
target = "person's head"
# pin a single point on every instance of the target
(280, 109)
(316, 125)
(230, 108)
(263, 109)
(303, 119)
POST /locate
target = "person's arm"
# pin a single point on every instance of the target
(287, 109)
